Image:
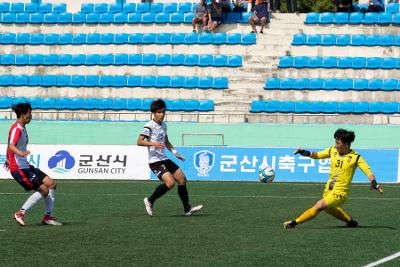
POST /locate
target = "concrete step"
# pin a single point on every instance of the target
(348, 51)
(338, 73)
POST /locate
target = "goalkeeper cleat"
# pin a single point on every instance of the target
(50, 220)
(148, 206)
(352, 223)
(289, 224)
(194, 210)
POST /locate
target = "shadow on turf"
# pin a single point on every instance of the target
(358, 227)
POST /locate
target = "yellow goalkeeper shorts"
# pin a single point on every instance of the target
(332, 199)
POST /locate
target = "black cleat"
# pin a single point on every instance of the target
(289, 224)
(352, 223)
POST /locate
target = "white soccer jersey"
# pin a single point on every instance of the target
(155, 132)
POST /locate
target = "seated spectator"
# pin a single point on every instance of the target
(214, 15)
(260, 16)
(200, 16)
(226, 5)
(239, 6)
(344, 6)
(376, 6)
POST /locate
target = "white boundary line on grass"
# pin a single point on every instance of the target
(386, 259)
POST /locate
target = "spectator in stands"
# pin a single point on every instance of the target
(146, 1)
(376, 6)
(214, 15)
(344, 5)
(239, 6)
(226, 5)
(200, 16)
(260, 16)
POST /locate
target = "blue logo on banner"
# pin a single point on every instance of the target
(204, 162)
(61, 162)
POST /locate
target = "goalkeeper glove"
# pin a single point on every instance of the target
(303, 152)
(376, 186)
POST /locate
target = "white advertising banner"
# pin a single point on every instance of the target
(86, 161)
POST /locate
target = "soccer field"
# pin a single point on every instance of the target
(241, 225)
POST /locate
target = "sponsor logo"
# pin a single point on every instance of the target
(204, 162)
(61, 162)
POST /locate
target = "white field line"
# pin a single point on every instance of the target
(386, 259)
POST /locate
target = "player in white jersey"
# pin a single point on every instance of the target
(154, 137)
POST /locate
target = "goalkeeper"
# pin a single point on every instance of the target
(344, 162)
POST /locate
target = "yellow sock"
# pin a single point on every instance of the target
(307, 215)
(339, 213)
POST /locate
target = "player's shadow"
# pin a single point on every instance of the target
(354, 228)
(196, 215)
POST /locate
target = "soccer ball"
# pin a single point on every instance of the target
(266, 174)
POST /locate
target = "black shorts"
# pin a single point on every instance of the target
(217, 20)
(161, 167)
(29, 179)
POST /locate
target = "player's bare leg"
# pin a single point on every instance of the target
(163, 188)
(184, 195)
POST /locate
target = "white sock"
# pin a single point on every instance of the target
(49, 202)
(31, 201)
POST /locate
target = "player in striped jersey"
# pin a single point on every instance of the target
(29, 177)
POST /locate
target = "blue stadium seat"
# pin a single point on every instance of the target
(177, 105)
(5, 102)
(134, 18)
(77, 80)
(77, 38)
(163, 38)
(149, 59)
(93, 38)
(6, 80)
(341, 18)
(36, 18)
(346, 107)
(315, 62)
(49, 80)
(316, 84)
(9, 17)
(107, 38)
(93, 18)
(170, 7)
(386, 40)
(329, 62)
(287, 106)
(273, 83)
(191, 38)
(148, 18)
(59, 7)
(51, 38)
(389, 63)
(35, 80)
(301, 84)
(106, 18)
(375, 84)
(185, 7)
(273, 106)
(258, 106)
(114, 8)
(326, 18)
(162, 18)
(148, 81)
(360, 84)
(87, 8)
(302, 106)
(286, 62)
(355, 18)
(397, 66)
(312, 18)
(358, 40)
(359, 63)
(344, 62)
(205, 38)
(133, 104)
(328, 40)
(105, 104)
(191, 105)
(343, 40)
(78, 59)
(248, 39)
(20, 80)
(286, 83)
(206, 105)
(78, 18)
(370, 18)
(220, 61)
(177, 17)
(16, 100)
(65, 38)
(205, 60)
(314, 39)
(22, 18)
(64, 18)
(76, 103)
(233, 38)
(177, 38)
(8, 59)
(331, 84)
(233, 17)
(396, 18)
(36, 102)
(4, 7)
(63, 80)
(192, 82)
(163, 59)
(191, 60)
(35, 59)
(92, 59)
(178, 81)
(135, 59)
(45, 8)
(392, 7)
(371, 40)
(345, 84)
(149, 38)
(177, 59)
(106, 60)
(100, 7)
(145, 104)
(156, 7)
(21, 59)
(235, 61)
(205, 82)
(188, 17)
(163, 81)
(48, 103)
(220, 83)
(50, 59)
(106, 81)
(120, 81)
(390, 85)
(384, 18)
(92, 81)
(120, 18)
(119, 104)
(135, 38)
(390, 107)
(374, 63)
(360, 107)
(375, 107)
(129, 8)
(300, 62)
(299, 39)
(330, 107)
(30, 7)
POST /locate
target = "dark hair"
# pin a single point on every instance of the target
(21, 108)
(157, 105)
(345, 136)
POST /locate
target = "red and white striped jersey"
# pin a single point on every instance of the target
(19, 138)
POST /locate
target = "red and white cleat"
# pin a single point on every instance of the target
(50, 220)
(19, 217)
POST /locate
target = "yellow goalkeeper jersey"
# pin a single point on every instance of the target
(342, 169)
